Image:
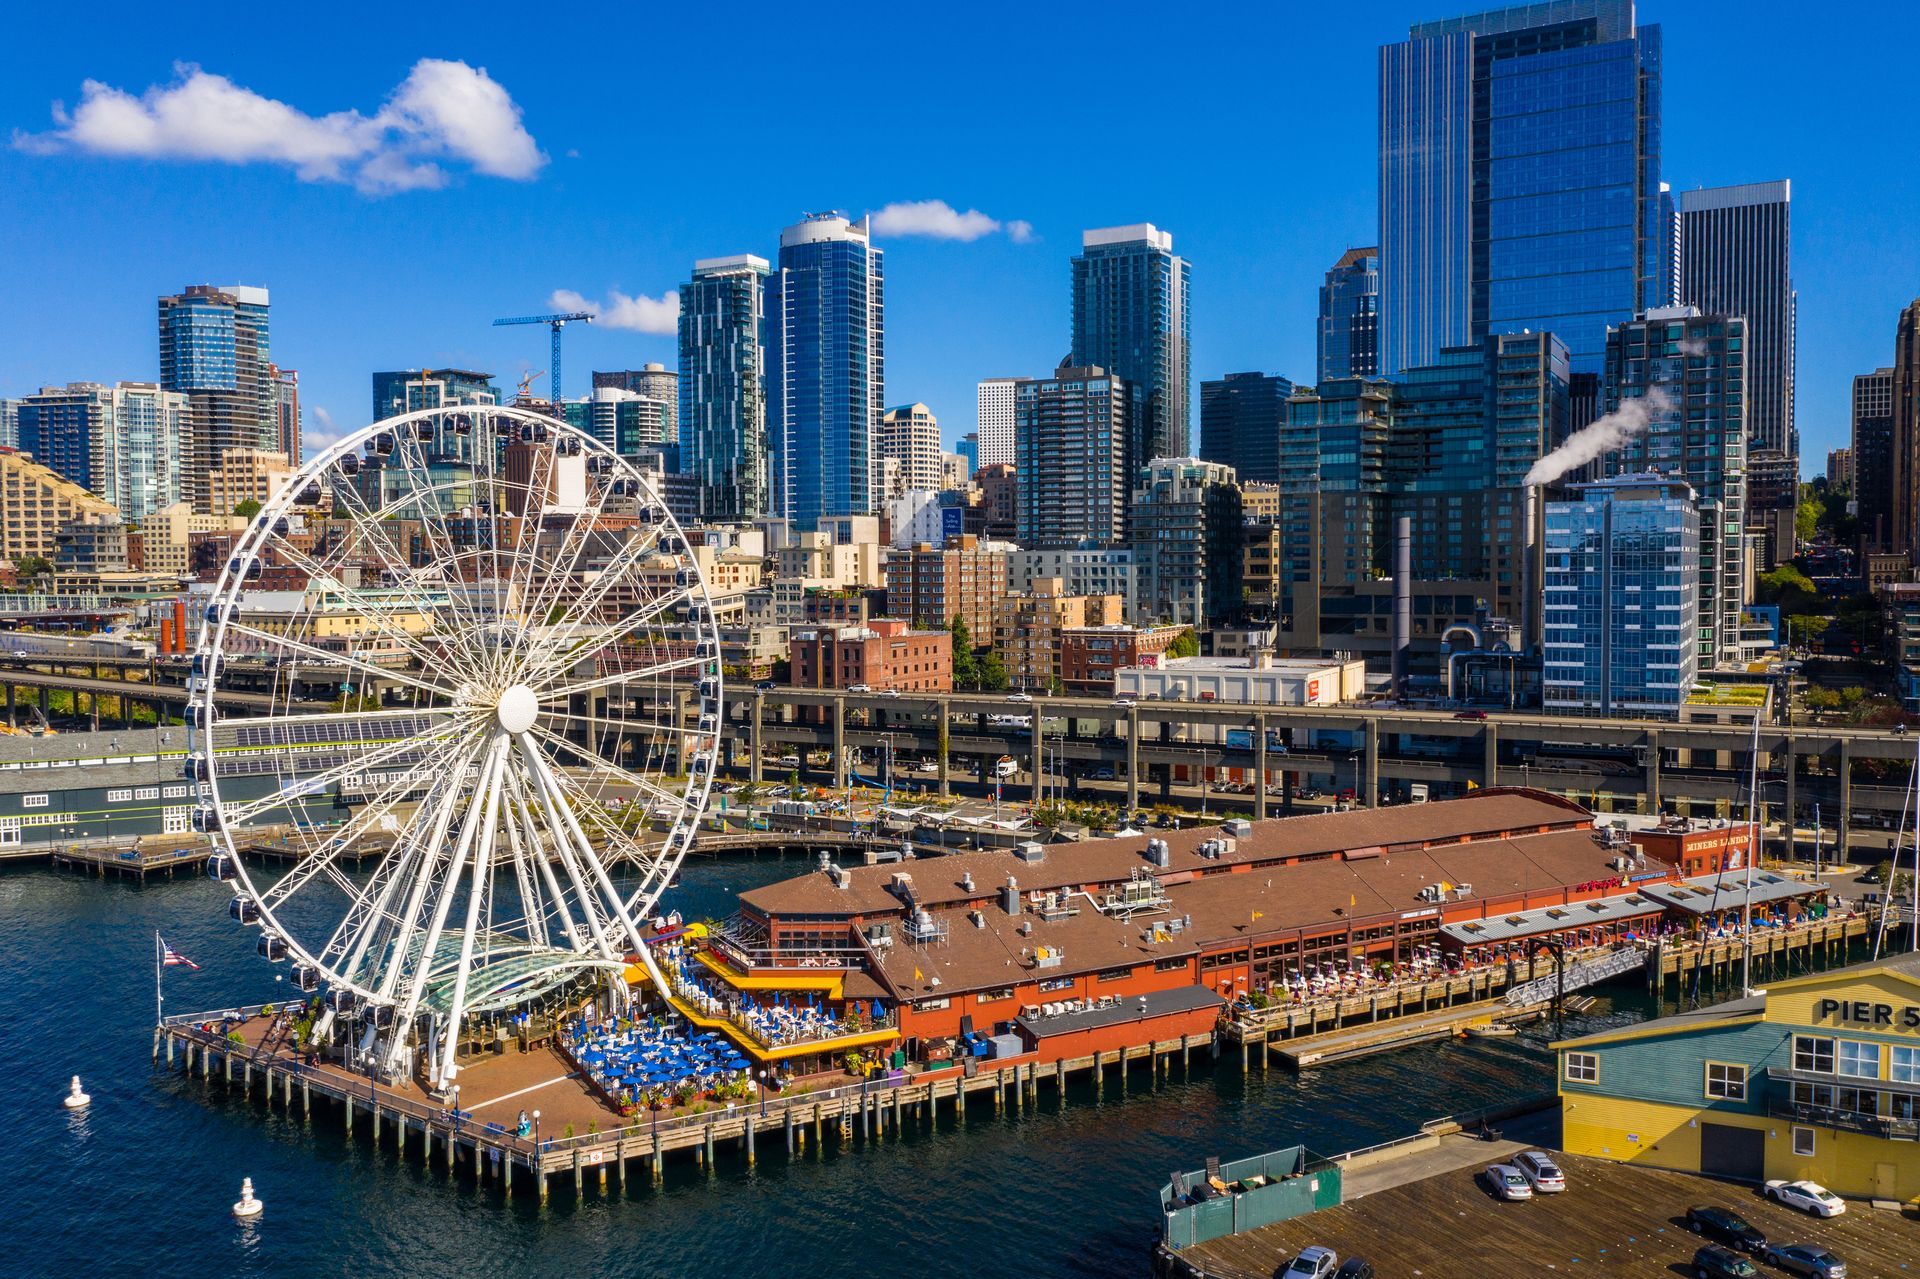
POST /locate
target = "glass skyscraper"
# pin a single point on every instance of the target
(1130, 318)
(1622, 597)
(1736, 259)
(214, 349)
(124, 442)
(1347, 342)
(1241, 416)
(826, 370)
(1520, 179)
(1686, 373)
(723, 391)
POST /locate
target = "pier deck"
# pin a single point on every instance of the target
(1613, 1218)
(494, 1089)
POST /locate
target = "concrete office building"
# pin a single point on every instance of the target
(994, 400)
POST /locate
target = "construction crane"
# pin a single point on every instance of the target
(556, 323)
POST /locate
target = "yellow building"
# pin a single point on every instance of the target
(1027, 627)
(246, 475)
(35, 502)
(168, 534)
(1816, 1077)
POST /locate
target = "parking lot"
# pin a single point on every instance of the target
(1612, 1218)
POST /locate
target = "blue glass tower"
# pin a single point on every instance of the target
(723, 367)
(1130, 318)
(1520, 179)
(826, 382)
(1348, 340)
(214, 349)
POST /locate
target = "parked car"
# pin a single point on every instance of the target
(889, 692)
(1712, 1261)
(1541, 1172)
(1314, 1262)
(1123, 703)
(1807, 1196)
(1807, 1259)
(1354, 1268)
(1470, 715)
(859, 688)
(766, 686)
(1505, 1181)
(1020, 697)
(1727, 1226)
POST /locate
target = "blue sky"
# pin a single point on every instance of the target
(651, 135)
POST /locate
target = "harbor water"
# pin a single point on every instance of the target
(143, 1181)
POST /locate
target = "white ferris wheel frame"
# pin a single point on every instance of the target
(558, 864)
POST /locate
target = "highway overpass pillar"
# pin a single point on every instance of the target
(1133, 762)
(1039, 752)
(1372, 797)
(839, 709)
(1653, 770)
(755, 734)
(941, 743)
(1489, 754)
(11, 723)
(1259, 768)
(1786, 749)
(1843, 837)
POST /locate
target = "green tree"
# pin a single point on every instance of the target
(993, 673)
(966, 668)
(246, 509)
(1807, 628)
(1791, 589)
(32, 566)
(1185, 644)
(1808, 515)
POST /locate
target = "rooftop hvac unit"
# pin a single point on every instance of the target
(1225, 846)
(1160, 853)
(1031, 851)
(1010, 897)
(1026, 928)
(901, 883)
(966, 880)
(841, 879)
(979, 918)
(1239, 826)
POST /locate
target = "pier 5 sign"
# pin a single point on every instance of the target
(1858, 1012)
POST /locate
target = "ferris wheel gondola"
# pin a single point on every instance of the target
(488, 649)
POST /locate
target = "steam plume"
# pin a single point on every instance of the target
(1602, 435)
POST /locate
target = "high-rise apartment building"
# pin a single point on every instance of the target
(9, 423)
(1622, 597)
(1519, 179)
(1070, 458)
(723, 386)
(654, 382)
(1347, 341)
(1736, 259)
(994, 399)
(214, 348)
(410, 390)
(1840, 468)
(65, 429)
(826, 369)
(287, 418)
(1130, 317)
(1872, 444)
(1685, 373)
(910, 436)
(1186, 540)
(1905, 503)
(631, 424)
(35, 503)
(1240, 419)
(932, 585)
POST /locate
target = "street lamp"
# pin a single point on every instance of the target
(536, 1131)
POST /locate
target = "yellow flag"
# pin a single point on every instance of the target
(918, 975)
(1472, 785)
(1256, 915)
(1353, 899)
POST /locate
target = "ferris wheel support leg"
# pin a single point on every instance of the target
(482, 868)
(417, 982)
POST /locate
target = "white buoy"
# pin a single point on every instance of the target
(248, 1205)
(75, 1099)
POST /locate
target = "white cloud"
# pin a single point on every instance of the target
(938, 220)
(317, 435)
(442, 112)
(641, 314)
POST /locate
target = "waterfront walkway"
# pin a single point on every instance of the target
(1613, 1218)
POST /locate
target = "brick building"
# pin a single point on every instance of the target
(1028, 625)
(931, 585)
(1091, 655)
(883, 654)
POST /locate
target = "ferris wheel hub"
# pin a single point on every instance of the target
(519, 706)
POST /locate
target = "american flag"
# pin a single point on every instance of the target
(171, 958)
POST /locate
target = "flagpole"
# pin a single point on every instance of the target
(159, 1000)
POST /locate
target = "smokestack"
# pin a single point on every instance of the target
(1402, 601)
(1530, 586)
(180, 626)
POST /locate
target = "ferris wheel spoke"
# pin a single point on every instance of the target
(538, 851)
(573, 646)
(625, 677)
(476, 893)
(400, 570)
(619, 776)
(582, 607)
(399, 635)
(242, 813)
(610, 897)
(340, 659)
(424, 497)
(566, 851)
(581, 532)
(379, 805)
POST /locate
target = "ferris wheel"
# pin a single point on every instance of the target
(467, 663)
